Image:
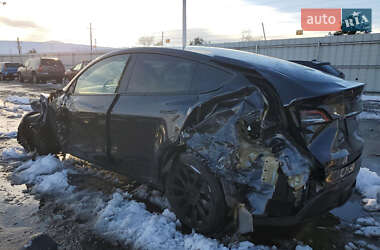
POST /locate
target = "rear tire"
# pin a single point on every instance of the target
(20, 78)
(195, 195)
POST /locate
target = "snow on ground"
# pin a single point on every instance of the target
(368, 184)
(30, 170)
(301, 247)
(367, 227)
(13, 153)
(8, 135)
(359, 245)
(16, 104)
(370, 97)
(115, 217)
(369, 116)
(17, 100)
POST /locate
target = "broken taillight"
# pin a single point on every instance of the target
(311, 117)
(312, 121)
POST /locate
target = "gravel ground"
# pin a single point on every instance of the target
(23, 214)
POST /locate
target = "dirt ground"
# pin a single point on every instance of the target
(23, 214)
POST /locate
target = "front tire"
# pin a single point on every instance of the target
(195, 195)
(34, 137)
(34, 78)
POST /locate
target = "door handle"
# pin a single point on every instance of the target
(173, 111)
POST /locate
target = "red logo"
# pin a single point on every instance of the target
(321, 19)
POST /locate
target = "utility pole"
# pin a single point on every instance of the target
(262, 24)
(91, 41)
(184, 24)
(18, 46)
(162, 38)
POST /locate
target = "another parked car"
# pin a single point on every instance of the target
(42, 69)
(70, 73)
(229, 136)
(8, 70)
(322, 66)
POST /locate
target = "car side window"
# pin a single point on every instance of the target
(155, 73)
(208, 78)
(103, 77)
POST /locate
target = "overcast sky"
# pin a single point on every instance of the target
(119, 23)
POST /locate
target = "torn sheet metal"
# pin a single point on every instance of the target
(239, 144)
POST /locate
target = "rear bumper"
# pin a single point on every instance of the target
(331, 197)
(50, 76)
(10, 75)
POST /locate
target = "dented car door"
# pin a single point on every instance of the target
(87, 106)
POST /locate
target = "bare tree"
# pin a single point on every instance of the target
(246, 36)
(32, 51)
(197, 41)
(146, 40)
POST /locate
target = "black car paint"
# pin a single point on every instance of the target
(138, 134)
(322, 66)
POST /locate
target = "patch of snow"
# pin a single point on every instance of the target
(369, 116)
(368, 183)
(372, 205)
(368, 227)
(53, 184)
(303, 247)
(12, 153)
(30, 170)
(17, 99)
(116, 217)
(364, 245)
(369, 231)
(369, 221)
(370, 98)
(350, 246)
(8, 135)
(154, 196)
(25, 108)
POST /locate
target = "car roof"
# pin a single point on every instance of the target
(291, 80)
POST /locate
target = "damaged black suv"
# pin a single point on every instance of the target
(231, 137)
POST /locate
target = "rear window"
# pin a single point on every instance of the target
(208, 78)
(51, 62)
(161, 74)
(330, 69)
(12, 65)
